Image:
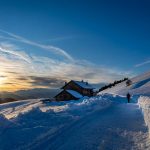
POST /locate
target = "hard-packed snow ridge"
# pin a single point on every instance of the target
(144, 103)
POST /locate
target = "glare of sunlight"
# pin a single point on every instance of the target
(2, 80)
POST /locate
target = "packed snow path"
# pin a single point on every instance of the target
(119, 127)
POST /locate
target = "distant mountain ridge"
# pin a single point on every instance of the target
(28, 94)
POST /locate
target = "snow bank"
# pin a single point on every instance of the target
(144, 103)
(78, 107)
(75, 107)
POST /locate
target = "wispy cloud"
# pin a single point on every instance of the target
(9, 48)
(143, 63)
(51, 48)
(46, 81)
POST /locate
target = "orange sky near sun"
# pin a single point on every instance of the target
(11, 85)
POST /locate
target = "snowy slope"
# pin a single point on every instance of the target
(101, 122)
(140, 86)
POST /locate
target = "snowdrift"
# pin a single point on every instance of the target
(144, 103)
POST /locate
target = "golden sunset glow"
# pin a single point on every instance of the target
(11, 87)
(2, 79)
(8, 82)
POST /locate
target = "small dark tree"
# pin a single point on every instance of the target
(129, 82)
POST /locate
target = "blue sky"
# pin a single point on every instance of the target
(104, 40)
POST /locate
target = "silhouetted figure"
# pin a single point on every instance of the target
(128, 97)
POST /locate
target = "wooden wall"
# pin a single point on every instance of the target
(64, 96)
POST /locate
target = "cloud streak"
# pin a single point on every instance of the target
(46, 81)
(142, 64)
(51, 48)
(7, 48)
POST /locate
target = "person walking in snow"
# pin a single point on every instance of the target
(128, 97)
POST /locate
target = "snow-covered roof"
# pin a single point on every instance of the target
(83, 84)
(74, 93)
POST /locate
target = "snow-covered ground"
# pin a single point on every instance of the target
(25, 122)
(104, 122)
